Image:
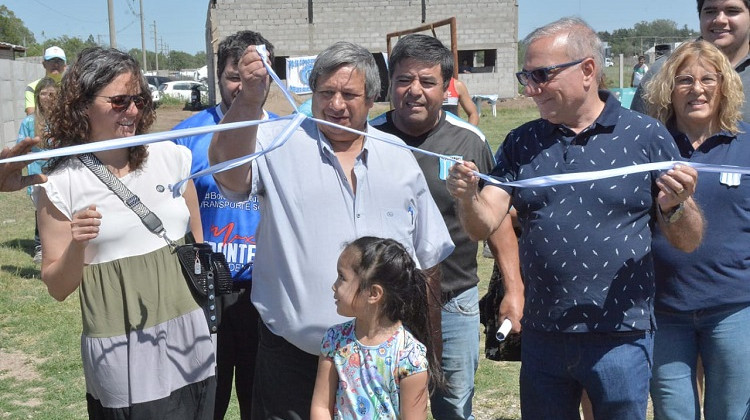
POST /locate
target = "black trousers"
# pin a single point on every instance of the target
(191, 402)
(236, 350)
(285, 378)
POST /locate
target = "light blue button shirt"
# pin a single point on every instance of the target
(309, 213)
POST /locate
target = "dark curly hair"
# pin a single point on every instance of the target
(94, 69)
(387, 263)
(234, 46)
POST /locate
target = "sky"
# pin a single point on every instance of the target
(180, 24)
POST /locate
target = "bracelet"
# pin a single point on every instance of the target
(674, 214)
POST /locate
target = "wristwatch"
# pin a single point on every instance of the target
(674, 214)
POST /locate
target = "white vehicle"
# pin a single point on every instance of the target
(608, 62)
(155, 94)
(182, 89)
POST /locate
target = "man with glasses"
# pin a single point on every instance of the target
(54, 66)
(585, 246)
(726, 24)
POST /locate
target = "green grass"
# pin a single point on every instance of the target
(40, 365)
(496, 128)
(40, 368)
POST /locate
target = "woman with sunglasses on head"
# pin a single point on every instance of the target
(702, 304)
(146, 348)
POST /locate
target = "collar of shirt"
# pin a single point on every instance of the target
(686, 146)
(742, 65)
(327, 150)
(604, 122)
(416, 141)
(221, 114)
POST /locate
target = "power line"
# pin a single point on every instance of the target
(64, 15)
(126, 26)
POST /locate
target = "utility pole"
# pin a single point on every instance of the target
(112, 32)
(156, 50)
(143, 39)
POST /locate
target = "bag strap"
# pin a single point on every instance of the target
(131, 201)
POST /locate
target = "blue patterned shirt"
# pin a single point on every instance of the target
(586, 247)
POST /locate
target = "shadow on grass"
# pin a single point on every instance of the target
(22, 272)
(25, 245)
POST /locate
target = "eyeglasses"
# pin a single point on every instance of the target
(121, 103)
(687, 81)
(542, 75)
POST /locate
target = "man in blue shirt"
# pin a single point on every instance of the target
(585, 247)
(230, 228)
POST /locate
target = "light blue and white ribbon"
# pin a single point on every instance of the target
(138, 140)
(279, 141)
(297, 119)
(264, 54)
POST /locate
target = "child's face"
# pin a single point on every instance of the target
(47, 97)
(348, 301)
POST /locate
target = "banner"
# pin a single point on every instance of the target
(298, 73)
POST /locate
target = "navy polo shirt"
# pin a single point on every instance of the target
(585, 247)
(718, 272)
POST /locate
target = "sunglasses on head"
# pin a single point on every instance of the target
(122, 102)
(542, 75)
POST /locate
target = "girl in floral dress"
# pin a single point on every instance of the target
(376, 365)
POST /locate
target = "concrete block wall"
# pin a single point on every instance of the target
(14, 76)
(481, 24)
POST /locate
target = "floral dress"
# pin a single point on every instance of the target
(370, 376)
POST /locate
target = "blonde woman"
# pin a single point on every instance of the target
(703, 298)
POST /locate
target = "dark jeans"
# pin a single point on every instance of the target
(613, 368)
(237, 347)
(285, 376)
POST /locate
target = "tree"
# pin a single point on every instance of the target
(200, 59)
(644, 35)
(181, 60)
(13, 30)
(176, 60)
(71, 46)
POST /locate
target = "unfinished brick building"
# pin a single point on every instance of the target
(487, 31)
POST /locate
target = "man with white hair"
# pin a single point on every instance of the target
(585, 248)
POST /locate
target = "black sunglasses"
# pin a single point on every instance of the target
(122, 102)
(542, 75)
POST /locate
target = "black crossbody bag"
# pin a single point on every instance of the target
(206, 271)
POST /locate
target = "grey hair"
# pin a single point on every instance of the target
(582, 40)
(347, 54)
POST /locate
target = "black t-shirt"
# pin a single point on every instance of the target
(454, 137)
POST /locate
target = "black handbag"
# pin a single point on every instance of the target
(509, 349)
(207, 275)
(206, 272)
